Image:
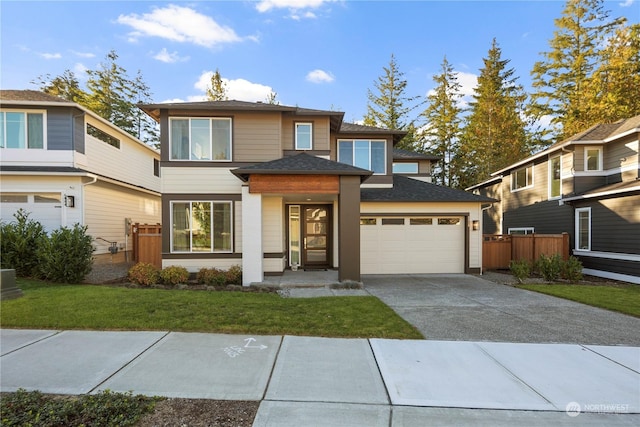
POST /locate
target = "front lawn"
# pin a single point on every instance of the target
(623, 298)
(56, 306)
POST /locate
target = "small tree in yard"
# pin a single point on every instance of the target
(66, 255)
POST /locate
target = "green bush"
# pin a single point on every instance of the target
(211, 277)
(32, 408)
(234, 275)
(521, 269)
(19, 241)
(550, 267)
(66, 255)
(572, 270)
(174, 275)
(144, 274)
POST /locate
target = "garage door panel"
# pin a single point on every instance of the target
(412, 248)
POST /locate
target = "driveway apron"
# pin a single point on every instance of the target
(458, 307)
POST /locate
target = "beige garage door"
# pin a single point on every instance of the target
(412, 245)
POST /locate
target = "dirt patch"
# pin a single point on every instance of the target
(201, 413)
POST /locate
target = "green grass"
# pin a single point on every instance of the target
(624, 299)
(55, 306)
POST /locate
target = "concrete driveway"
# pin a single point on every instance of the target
(461, 307)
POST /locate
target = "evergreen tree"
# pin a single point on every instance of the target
(441, 133)
(272, 98)
(389, 107)
(559, 79)
(494, 134)
(217, 90)
(146, 128)
(612, 91)
(65, 86)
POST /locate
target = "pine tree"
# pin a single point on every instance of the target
(612, 91)
(559, 79)
(217, 90)
(494, 134)
(66, 86)
(389, 107)
(441, 132)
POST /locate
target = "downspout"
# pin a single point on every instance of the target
(84, 184)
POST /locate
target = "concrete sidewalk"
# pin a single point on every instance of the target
(328, 382)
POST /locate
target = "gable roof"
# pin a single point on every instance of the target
(400, 154)
(412, 190)
(301, 164)
(29, 95)
(596, 134)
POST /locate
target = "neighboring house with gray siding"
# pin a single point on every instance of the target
(65, 165)
(273, 187)
(588, 186)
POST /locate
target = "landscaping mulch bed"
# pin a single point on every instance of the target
(201, 413)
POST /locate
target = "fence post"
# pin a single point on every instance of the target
(565, 246)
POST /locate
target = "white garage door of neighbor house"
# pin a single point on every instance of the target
(46, 208)
(412, 245)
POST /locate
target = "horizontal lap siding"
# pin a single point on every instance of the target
(59, 129)
(256, 137)
(631, 268)
(546, 218)
(199, 180)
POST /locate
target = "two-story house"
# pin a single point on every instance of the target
(588, 186)
(272, 187)
(65, 165)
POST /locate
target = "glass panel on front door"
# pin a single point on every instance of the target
(316, 235)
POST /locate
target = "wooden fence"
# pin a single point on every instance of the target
(147, 243)
(499, 249)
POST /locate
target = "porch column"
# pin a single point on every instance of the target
(252, 270)
(349, 229)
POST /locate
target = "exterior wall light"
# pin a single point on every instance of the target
(475, 225)
(70, 201)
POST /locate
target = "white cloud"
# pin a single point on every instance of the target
(50, 55)
(238, 89)
(627, 3)
(320, 76)
(468, 82)
(165, 56)
(83, 54)
(179, 24)
(267, 5)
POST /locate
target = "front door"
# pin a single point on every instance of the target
(316, 234)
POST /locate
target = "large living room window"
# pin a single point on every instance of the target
(363, 153)
(19, 129)
(522, 178)
(207, 139)
(201, 227)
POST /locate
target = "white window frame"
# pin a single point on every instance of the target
(211, 120)
(600, 158)
(525, 230)
(417, 169)
(529, 184)
(25, 112)
(353, 151)
(551, 159)
(213, 249)
(577, 231)
(310, 124)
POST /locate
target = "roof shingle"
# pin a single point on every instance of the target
(411, 190)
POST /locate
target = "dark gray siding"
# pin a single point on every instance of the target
(59, 128)
(586, 183)
(546, 218)
(614, 224)
(611, 265)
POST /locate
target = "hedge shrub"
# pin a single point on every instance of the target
(66, 255)
(174, 275)
(18, 243)
(144, 274)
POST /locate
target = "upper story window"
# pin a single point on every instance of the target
(593, 159)
(304, 136)
(200, 139)
(555, 180)
(103, 136)
(522, 178)
(364, 153)
(20, 129)
(405, 168)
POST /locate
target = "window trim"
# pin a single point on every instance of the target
(550, 169)
(600, 158)
(116, 143)
(213, 250)
(26, 122)
(353, 152)
(529, 184)
(527, 230)
(417, 170)
(295, 135)
(211, 157)
(577, 231)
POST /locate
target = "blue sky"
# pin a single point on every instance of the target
(312, 53)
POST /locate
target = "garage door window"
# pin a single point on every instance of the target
(421, 221)
(392, 221)
(448, 221)
(368, 221)
(46, 198)
(13, 198)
